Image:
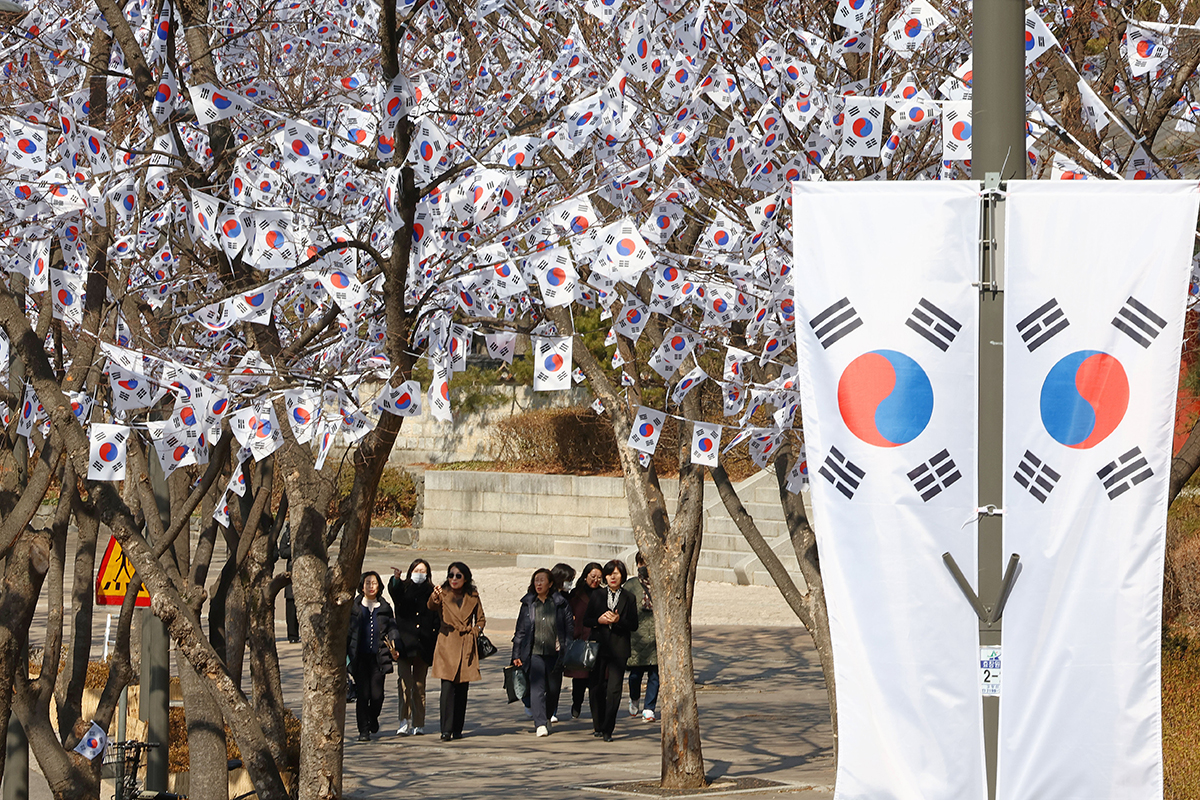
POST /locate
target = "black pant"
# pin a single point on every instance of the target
(578, 687)
(289, 613)
(368, 682)
(545, 685)
(454, 706)
(608, 679)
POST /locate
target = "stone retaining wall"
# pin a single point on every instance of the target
(521, 512)
(424, 440)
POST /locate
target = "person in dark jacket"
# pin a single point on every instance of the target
(289, 597)
(372, 642)
(418, 629)
(579, 597)
(643, 657)
(544, 629)
(612, 615)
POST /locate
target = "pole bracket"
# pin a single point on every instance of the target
(988, 615)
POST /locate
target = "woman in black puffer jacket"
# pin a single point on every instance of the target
(418, 631)
(543, 632)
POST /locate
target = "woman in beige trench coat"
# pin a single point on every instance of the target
(456, 656)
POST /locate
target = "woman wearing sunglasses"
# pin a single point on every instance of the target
(456, 656)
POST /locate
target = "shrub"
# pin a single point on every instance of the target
(574, 440)
(395, 500)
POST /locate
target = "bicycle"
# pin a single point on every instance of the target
(125, 760)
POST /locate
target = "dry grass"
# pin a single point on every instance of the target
(1181, 717)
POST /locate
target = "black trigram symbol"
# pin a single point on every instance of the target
(934, 475)
(1036, 476)
(843, 473)
(1123, 474)
(1138, 322)
(934, 324)
(835, 322)
(1037, 328)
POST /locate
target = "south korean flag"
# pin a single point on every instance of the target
(439, 390)
(556, 276)
(257, 428)
(853, 14)
(647, 427)
(1146, 49)
(706, 443)
(909, 29)
(888, 387)
(403, 400)
(501, 346)
(130, 390)
(625, 254)
(1092, 342)
(171, 445)
(108, 445)
(956, 130)
(670, 355)
(551, 363)
(67, 296)
(303, 410)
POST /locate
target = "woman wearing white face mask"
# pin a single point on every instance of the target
(418, 634)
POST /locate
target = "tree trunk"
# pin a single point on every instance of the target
(323, 621)
(670, 550)
(208, 776)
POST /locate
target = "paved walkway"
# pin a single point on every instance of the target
(763, 709)
(763, 714)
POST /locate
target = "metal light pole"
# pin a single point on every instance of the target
(997, 154)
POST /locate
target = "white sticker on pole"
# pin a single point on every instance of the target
(989, 671)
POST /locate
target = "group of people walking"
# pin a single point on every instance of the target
(429, 628)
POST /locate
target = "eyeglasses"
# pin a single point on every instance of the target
(457, 575)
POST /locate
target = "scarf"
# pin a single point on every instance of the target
(647, 600)
(612, 599)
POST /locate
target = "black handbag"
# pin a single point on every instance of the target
(581, 654)
(486, 648)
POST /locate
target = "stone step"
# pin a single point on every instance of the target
(724, 526)
(612, 535)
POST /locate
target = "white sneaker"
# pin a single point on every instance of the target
(635, 707)
(403, 729)
(553, 719)
(648, 715)
(417, 731)
(543, 730)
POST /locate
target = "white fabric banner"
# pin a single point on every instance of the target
(1096, 282)
(887, 334)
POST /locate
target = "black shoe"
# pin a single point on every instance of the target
(575, 710)
(375, 726)
(456, 736)
(446, 737)
(294, 640)
(364, 737)
(597, 734)
(608, 737)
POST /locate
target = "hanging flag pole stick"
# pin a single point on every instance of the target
(997, 155)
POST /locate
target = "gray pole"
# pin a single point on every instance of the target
(997, 153)
(16, 762)
(156, 660)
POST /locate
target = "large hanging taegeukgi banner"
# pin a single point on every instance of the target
(886, 329)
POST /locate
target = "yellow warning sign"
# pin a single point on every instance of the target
(114, 576)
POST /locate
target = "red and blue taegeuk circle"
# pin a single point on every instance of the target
(885, 398)
(1084, 398)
